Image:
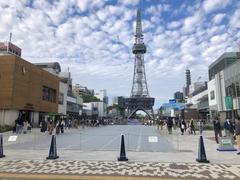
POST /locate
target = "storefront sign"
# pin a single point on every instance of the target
(229, 102)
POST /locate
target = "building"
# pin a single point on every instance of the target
(26, 91)
(102, 95)
(82, 90)
(10, 48)
(188, 81)
(178, 96)
(224, 82)
(198, 99)
(170, 109)
(69, 104)
(114, 100)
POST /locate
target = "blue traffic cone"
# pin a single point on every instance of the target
(122, 151)
(1, 147)
(202, 158)
(53, 149)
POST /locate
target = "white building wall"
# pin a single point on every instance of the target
(63, 88)
(212, 87)
(102, 108)
(8, 117)
(88, 107)
(220, 91)
(101, 94)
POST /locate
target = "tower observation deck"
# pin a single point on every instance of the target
(139, 99)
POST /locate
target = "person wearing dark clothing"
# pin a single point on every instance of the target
(169, 125)
(217, 129)
(43, 126)
(237, 133)
(229, 128)
(192, 127)
(182, 126)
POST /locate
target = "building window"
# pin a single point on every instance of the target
(61, 98)
(237, 89)
(212, 95)
(48, 94)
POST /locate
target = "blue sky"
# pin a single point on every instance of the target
(94, 39)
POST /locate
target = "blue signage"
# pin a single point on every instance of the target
(172, 101)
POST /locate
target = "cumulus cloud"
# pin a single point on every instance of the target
(218, 18)
(212, 5)
(235, 19)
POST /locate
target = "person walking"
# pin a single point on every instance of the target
(228, 127)
(192, 127)
(237, 133)
(182, 126)
(217, 129)
(169, 125)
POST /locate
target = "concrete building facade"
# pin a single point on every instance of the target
(25, 91)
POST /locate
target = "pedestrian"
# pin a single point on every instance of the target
(161, 124)
(237, 133)
(217, 129)
(182, 126)
(169, 125)
(62, 126)
(192, 127)
(228, 127)
(174, 123)
(50, 127)
(58, 124)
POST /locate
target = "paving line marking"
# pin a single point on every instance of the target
(139, 140)
(110, 142)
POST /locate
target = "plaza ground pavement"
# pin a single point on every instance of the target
(95, 151)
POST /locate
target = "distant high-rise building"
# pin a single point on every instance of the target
(188, 81)
(178, 96)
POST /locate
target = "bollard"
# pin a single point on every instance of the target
(202, 158)
(1, 147)
(53, 149)
(122, 151)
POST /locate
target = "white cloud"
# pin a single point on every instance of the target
(129, 2)
(235, 19)
(191, 22)
(218, 18)
(212, 5)
(174, 24)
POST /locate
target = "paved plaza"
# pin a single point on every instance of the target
(94, 151)
(135, 169)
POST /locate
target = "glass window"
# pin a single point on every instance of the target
(48, 94)
(212, 95)
(60, 98)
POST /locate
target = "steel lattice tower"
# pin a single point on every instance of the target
(139, 99)
(139, 86)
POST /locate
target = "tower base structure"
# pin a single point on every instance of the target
(134, 104)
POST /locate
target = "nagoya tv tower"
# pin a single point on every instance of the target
(139, 99)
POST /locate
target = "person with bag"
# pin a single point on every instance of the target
(182, 125)
(237, 134)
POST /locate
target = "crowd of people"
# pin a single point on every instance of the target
(60, 125)
(184, 126)
(231, 128)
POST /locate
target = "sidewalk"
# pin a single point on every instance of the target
(128, 169)
(186, 147)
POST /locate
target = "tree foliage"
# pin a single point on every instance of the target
(89, 98)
